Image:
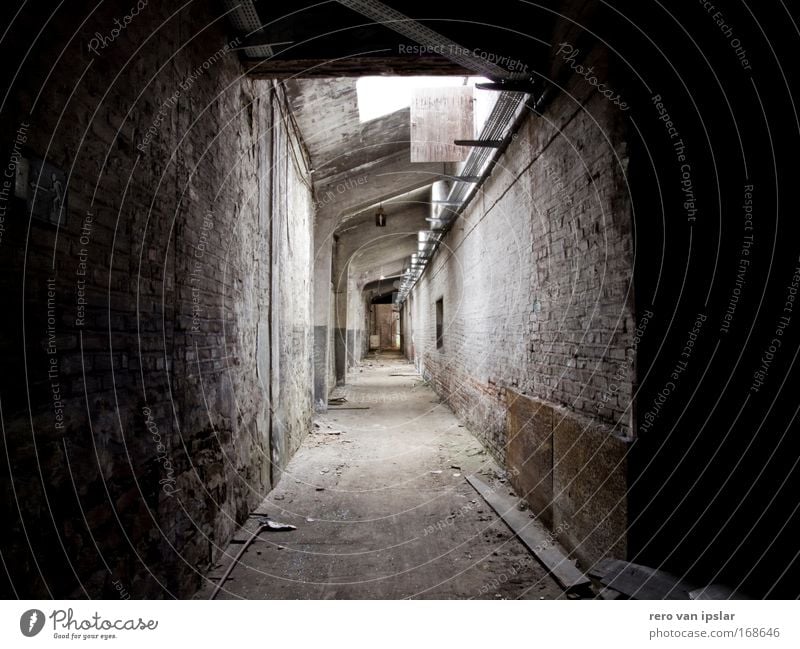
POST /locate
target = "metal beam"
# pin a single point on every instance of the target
(322, 68)
(488, 144)
(523, 86)
(464, 179)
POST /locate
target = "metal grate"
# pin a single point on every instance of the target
(502, 115)
(418, 33)
(244, 19)
(243, 15)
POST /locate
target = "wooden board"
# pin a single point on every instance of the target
(602, 568)
(438, 117)
(643, 582)
(534, 536)
(715, 591)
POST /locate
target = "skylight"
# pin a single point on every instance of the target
(379, 96)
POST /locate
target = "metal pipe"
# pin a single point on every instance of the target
(505, 108)
(263, 526)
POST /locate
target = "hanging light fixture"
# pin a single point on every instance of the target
(380, 217)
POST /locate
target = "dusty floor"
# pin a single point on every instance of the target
(382, 508)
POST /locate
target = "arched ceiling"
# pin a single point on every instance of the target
(370, 251)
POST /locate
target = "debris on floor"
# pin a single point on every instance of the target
(397, 471)
(275, 526)
(534, 536)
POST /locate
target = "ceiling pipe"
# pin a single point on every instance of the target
(478, 158)
(505, 110)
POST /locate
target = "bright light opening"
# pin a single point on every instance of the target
(379, 96)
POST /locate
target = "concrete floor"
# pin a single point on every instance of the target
(381, 509)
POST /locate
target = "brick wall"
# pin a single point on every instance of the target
(292, 251)
(535, 276)
(136, 400)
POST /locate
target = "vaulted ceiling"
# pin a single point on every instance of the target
(358, 166)
(319, 49)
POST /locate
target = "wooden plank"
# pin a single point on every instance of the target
(643, 582)
(438, 117)
(602, 568)
(609, 594)
(533, 535)
(715, 591)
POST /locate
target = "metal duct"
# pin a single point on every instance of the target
(505, 111)
(502, 115)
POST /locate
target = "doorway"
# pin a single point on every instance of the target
(385, 327)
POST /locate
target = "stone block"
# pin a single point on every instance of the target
(529, 452)
(590, 489)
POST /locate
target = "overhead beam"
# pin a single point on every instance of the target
(321, 68)
(524, 86)
(464, 179)
(489, 144)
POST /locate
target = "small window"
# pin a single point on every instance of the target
(439, 323)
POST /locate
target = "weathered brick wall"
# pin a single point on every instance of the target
(136, 402)
(535, 276)
(292, 249)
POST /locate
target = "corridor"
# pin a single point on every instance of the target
(382, 508)
(321, 264)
